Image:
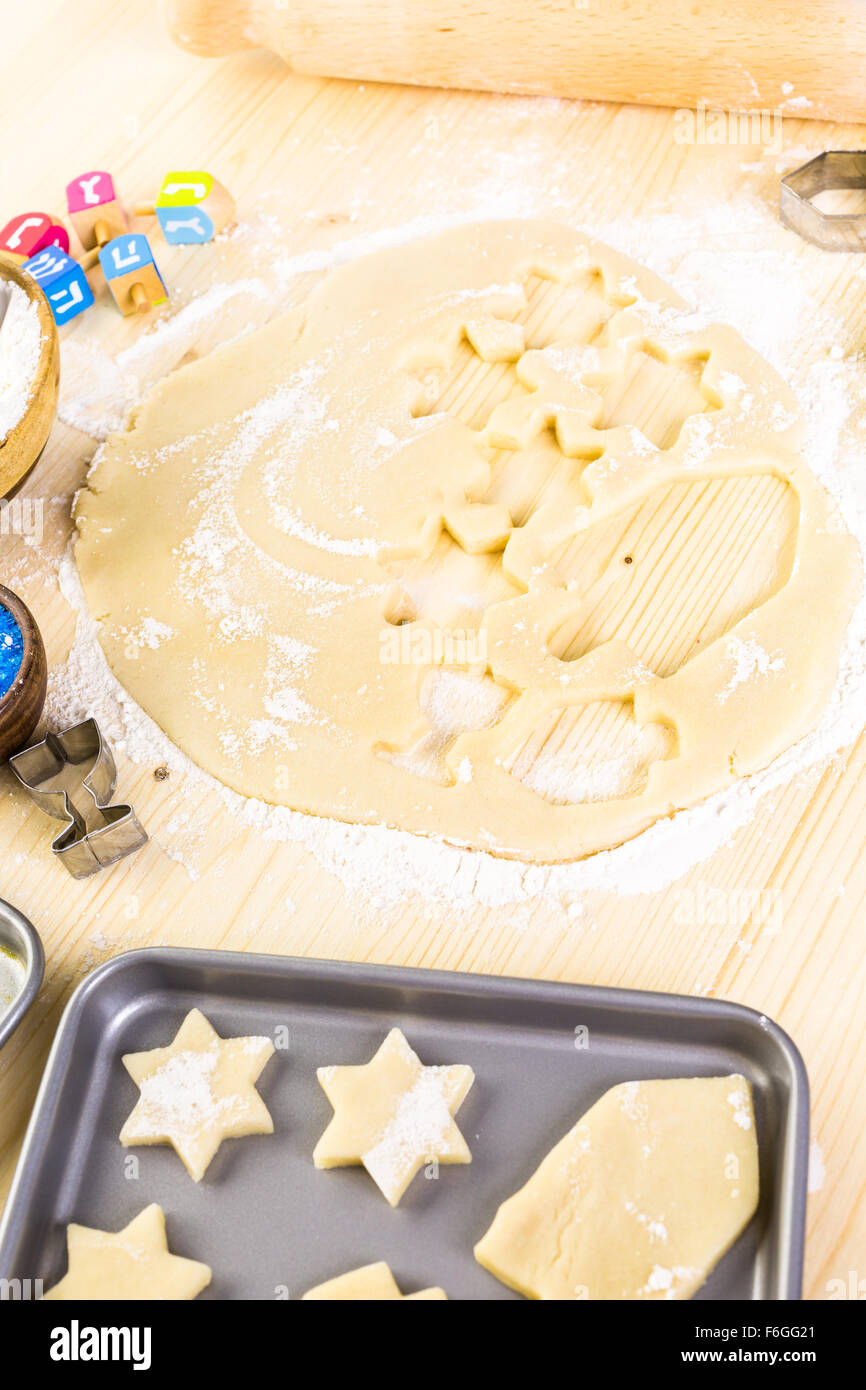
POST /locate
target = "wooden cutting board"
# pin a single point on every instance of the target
(314, 163)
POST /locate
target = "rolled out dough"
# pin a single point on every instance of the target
(266, 549)
(639, 1200)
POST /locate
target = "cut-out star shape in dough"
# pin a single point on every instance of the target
(134, 1263)
(393, 1115)
(197, 1092)
(371, 1283)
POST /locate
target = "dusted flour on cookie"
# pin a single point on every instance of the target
(393, 1115)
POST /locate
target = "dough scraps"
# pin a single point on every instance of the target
(493, 541)
(197, 1092)
(372, 1283)
(640, 1199)
(393, 1115)
(133, 1263)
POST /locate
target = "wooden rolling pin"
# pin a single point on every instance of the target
(803, 57)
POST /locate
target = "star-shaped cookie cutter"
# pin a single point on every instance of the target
(40, 769)
(834, 169)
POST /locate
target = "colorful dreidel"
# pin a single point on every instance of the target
(62, 281)
(132, 274)
(192, 207)
(30, 232)
(95, 212)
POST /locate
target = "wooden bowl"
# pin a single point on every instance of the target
(25, 442)
(21, 707)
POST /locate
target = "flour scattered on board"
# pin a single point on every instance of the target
(817, 1172)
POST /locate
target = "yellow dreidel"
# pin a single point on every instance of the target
(192, 207)
(131, 273)
(95, 213)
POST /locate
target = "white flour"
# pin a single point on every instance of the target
(418, 1129)
(20, 349)
(732, 259)
(750, 661)
(12, 976)
(179, 1097)
(817, 1171)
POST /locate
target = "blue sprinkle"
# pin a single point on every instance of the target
(11, 650)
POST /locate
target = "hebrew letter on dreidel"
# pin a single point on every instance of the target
(131, 273)
(184, 190)
(93, 207)
(181, 231)
(192, 207)
(62, 281)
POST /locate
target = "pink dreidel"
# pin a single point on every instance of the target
(95, 212)
(30, 232)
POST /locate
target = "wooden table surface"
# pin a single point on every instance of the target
(314, 163)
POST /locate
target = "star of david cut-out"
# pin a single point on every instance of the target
(393, 1115)
(134, 1263)
(197, 1092)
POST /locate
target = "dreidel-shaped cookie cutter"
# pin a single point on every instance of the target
(78, 759)
(834, 169)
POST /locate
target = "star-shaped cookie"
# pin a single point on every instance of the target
(197, 1092)
(393, 1115)
(134, 1263)
(373, 1284)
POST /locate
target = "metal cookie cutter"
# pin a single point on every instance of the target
(77, 759)
(833, 231)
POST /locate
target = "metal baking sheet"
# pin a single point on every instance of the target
(272, 1225)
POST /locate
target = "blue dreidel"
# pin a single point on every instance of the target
(132, 274)
(192, 207)
(63, 282)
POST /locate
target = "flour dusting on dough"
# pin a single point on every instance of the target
(750, 661)
(264, 464)
(729, 256)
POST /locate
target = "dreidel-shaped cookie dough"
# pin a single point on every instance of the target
(393, 1115)
(197, 1092)
(640, 1200)
(134, 1263)
(372, 1284)
(131, 274)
